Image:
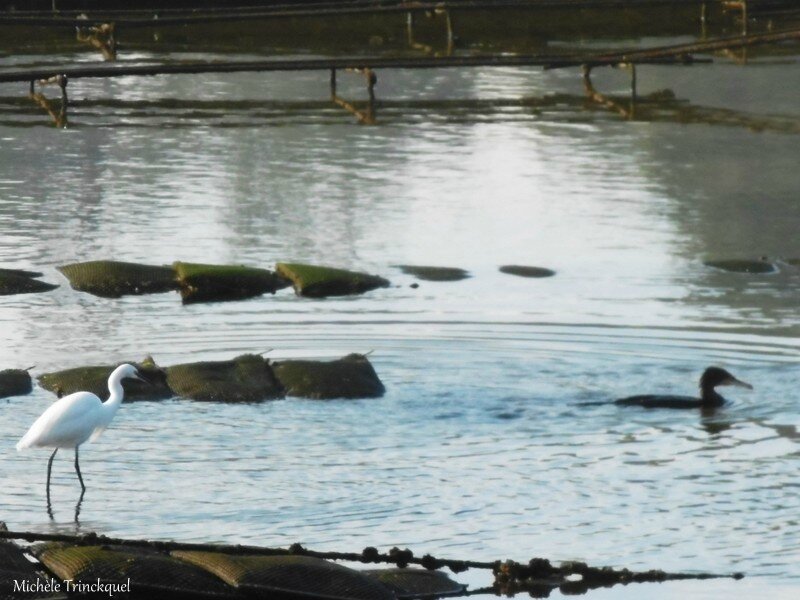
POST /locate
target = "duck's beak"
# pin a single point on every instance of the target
(737, 383)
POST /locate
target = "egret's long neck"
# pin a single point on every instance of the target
(114, 401)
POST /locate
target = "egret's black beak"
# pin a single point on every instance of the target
(140, 377)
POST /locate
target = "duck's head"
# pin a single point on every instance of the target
(716, 376)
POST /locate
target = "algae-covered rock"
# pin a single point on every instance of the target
(13, 281)
(16, 568)
(211, 283)
(15, 382)
(743, 266)
(318, 282)
(350, 377)
(152, 574)
(416, 583)
(20, 273)
(288, 576)
(525, 271)
(113, 279)
(95, 379)
(435, 273)
(246, 378)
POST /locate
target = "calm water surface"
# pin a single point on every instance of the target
(479, 448)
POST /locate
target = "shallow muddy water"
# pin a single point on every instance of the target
(480, 448)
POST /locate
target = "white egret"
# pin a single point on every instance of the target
(74, 419)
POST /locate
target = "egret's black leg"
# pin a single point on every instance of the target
(78, 470)
(78, 507)
(50, 468)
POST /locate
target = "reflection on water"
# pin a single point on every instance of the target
(480, 448)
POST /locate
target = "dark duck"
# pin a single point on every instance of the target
(709, 398)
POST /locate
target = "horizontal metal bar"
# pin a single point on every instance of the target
(324, 10)
(105, 70)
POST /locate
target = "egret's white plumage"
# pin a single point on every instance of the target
(67, 423)
(77, 418)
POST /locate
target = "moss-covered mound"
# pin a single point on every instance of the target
(288, 576)
(95, 379)
(743, 266)
(350, 377)
(524, 271)
(15, 281)
(417, 583)
(152, 574)
(15, 382)
(112, 279)
(318, 282)
(213, 283)
(435, 273)
(246, 378)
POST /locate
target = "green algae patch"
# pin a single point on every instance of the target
(246, 378)
(114, 279)
(14, 281)
(435, 273)
(759, 266)
(416, 583)
(318, 282)
(350, 377)
(214, 283)
(151, 573)
(288, 576)
(15, 382)
(525, 271)
(95, 379)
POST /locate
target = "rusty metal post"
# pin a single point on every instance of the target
(112, 40)
(586, 72)
(450, 35)
(634, 98)
(744, 17)
(62, 83)
(703, 20)
(372, 79)
(599, 98)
